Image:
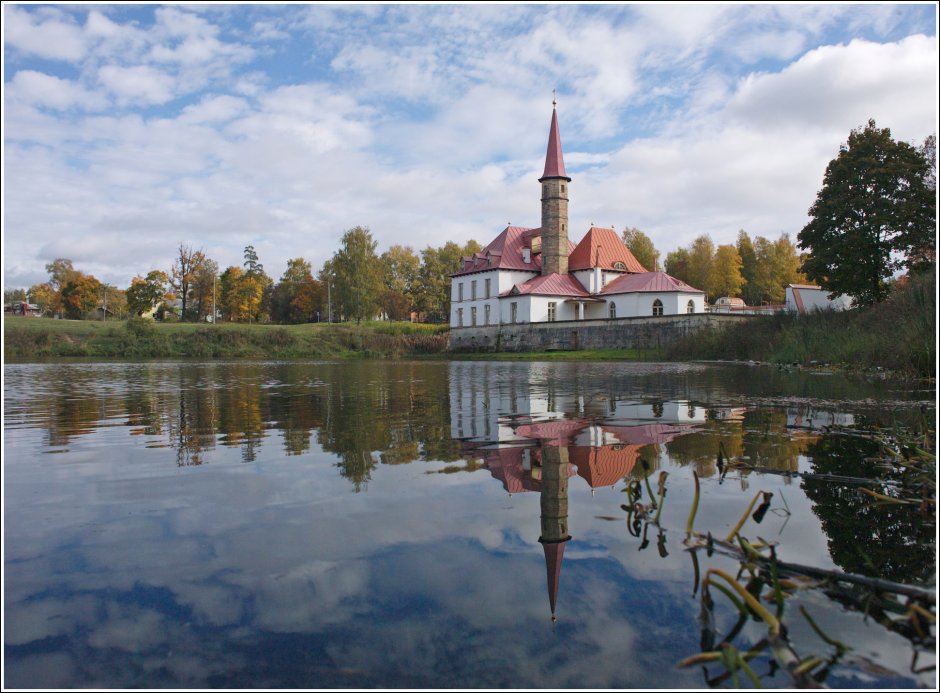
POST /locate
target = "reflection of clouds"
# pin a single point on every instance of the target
(44, 671)
(46, 618)
(309, 597)
(129, 629)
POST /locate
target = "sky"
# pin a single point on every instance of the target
(131, 129)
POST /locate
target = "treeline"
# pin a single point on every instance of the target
(356, 283)
(756, 270)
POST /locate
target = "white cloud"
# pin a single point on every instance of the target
(39, 89)
(46, 34)
(430, 124)
(139, 85)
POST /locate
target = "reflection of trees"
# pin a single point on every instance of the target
(761, 437)
(890, 541)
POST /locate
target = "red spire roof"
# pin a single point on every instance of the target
(554, 161)
(603, 248)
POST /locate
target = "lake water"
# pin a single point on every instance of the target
(433, 524)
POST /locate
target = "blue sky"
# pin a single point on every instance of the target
(129, 129)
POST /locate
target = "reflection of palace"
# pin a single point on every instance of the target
(532, 438)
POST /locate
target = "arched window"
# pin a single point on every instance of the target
(613, 310)
(691, 307)
(657, 307)
(619, 266)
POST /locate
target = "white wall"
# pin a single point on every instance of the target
(640, 304)
(500, 282)
(817, 299)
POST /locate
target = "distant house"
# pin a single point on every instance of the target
(737, 306)
(807, 298)
(27, 309)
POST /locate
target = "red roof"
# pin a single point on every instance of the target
(649, 434)
(505, 252)
(648, 281)
(605, 465)
(559, 432)
(553, 284)
(554, 161)
(603, 248)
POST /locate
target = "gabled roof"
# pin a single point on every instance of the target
(553, 284)
(505, 252)
(648, 281)
(603, 248)
(554, 161)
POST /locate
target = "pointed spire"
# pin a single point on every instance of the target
(554, 552)
(554, 161)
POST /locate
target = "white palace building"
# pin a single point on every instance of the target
(528, 275)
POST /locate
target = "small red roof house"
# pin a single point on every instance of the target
(530, 275)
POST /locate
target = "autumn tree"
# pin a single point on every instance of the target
(642, 248)
(232, 302)
(400, 268)
(81, 294)
(145, 293)
(61, 272)
(874, 215)
(296, 297)
(358, 286)
(187, 264)
(255, 285)
(701, 257)
(114, 301)
(725, 275)
(204, 286)
(44, 296)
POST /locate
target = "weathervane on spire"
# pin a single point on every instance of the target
(554, 102)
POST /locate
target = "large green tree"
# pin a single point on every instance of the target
(400, 267)
(357, 277)
(642, 248)
(874, 215)
(145, 293)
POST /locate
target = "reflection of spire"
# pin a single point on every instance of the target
(554, 504)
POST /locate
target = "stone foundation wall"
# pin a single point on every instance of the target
(572, 335)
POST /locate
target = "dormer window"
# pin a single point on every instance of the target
(619, 266)
(526, 255)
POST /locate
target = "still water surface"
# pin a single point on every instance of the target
(423, 525)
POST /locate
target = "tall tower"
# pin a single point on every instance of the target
(554, 182)
(553, 500)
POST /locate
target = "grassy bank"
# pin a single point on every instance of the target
(32, 338)
(898, 335)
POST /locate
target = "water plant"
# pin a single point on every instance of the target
(759, 587)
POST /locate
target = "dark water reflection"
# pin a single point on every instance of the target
(412, 524)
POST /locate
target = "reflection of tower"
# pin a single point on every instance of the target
(554, 503)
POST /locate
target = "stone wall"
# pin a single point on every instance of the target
(571, 335)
